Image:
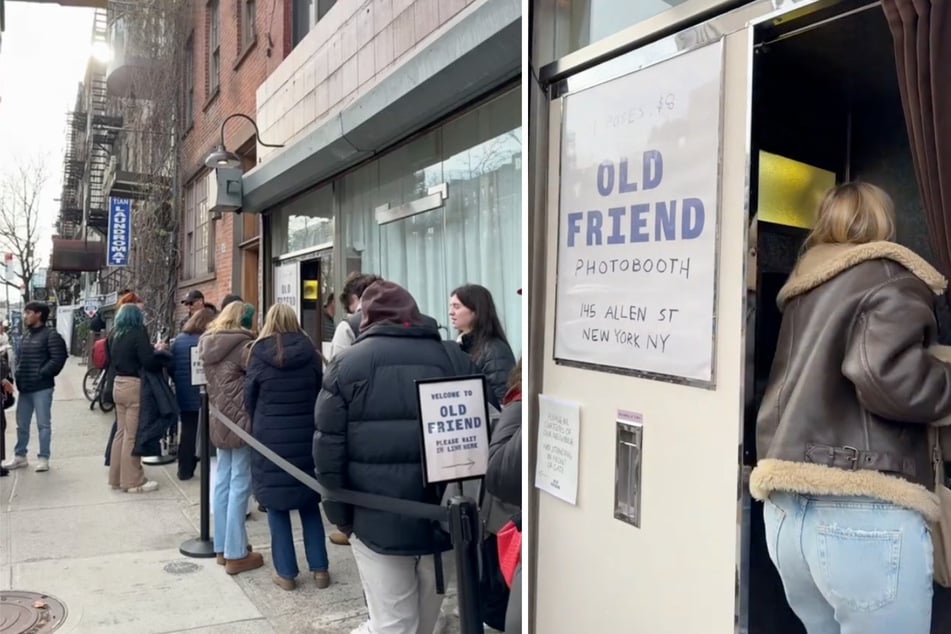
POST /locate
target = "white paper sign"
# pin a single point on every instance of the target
(198, 368)
(559, 430)
(638, 219)
(455, 428)
(287, 285)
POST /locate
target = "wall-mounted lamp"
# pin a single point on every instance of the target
(225, 191)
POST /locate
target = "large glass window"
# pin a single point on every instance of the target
(471, 236)
(582, 22)
(198, 255)
(304, 222)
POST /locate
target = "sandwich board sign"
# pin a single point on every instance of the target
(198, 368)
(454, 427)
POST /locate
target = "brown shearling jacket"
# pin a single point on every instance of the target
(853, 388)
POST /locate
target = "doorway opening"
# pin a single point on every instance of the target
(826, 109)
(317, 304)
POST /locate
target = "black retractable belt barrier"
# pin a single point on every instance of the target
(203, 546)
(462, 515)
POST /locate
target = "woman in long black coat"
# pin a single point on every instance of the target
(283, 378)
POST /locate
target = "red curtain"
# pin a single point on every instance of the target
(921, 30)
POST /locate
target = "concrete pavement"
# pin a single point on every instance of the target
(113, 559)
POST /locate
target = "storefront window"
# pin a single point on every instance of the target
(304, 222)
(582, 22)
(473, 236)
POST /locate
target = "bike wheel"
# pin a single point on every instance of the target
(103, 405)
(90, 383)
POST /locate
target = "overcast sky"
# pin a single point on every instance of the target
(42, 60)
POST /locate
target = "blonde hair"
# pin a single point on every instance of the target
(228, 319)
(280, 319)
(854, 213)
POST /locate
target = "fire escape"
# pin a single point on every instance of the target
(103, 130)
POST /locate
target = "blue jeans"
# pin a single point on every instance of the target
(40, 402)
(282, 541)
(852, 565)
(232, 490)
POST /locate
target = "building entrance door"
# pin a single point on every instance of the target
(317, 305)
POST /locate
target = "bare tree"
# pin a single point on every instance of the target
(20, 192)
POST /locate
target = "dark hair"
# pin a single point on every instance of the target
(230, 298)
(38, 307)
(486, 326)
(211, 307)
(198, 322)
(356, 284)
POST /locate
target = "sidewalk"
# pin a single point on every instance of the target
(112, 558)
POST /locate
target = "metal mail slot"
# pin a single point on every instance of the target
(627, 478)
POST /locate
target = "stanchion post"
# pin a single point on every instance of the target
(464, 530)
(203, 547)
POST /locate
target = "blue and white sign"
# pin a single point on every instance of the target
(120, 232)
(637, 243)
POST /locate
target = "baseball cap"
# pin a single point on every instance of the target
(193, 296)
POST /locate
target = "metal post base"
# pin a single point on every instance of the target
(198, 548)
(158, 460)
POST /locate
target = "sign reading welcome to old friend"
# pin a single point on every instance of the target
(454, 421)
(638, 220)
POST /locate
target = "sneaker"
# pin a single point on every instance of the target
(148, 487)
(363, 629)
(249, 562)
(322, 578)
(282, 583)
(17, 462)
(42, 465)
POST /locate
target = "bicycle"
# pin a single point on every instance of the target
(93, 383)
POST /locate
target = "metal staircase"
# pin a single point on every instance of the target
(102, 134)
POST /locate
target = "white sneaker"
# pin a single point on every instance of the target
(363, 629)
(42, 465)
(148, 487)
(16, 462)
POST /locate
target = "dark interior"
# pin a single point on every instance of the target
(827, 96)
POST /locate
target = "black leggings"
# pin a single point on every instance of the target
(186, 445)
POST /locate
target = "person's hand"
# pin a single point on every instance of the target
(7, 386)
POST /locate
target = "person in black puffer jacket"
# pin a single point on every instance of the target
(472, 312)
(503, 481)
(368, 440)
(280, 389)
(41, 358)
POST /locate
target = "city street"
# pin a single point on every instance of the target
(112, 558)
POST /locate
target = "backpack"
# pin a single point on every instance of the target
(100, 357)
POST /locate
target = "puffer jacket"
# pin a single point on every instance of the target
(366, 415)
(279, 393)
(503, 478)
(853, 387)
(495, 361)
(188, 396)
(41, 358)
(223, 354)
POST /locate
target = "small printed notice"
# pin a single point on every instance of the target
(639, 204)
(198, 368)
(454, 421)
(287, 285)
(559, 425)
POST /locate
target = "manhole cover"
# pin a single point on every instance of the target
(181, 567)
(30, 612)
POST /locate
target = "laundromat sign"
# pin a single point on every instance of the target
(637, 250)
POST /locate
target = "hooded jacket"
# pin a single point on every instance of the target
(279, 392)
(368, 436)
(223, 356)
(853, 387)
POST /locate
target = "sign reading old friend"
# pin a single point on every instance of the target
(637, 245)
(454, 421)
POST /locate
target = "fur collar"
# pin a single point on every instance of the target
(822, 262)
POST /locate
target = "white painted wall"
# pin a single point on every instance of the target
(675, 574)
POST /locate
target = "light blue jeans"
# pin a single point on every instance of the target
(41, 403)
(232, 490)
(852, 565)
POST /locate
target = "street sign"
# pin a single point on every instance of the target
(454, 426)
(198, 368)
(120, 232)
